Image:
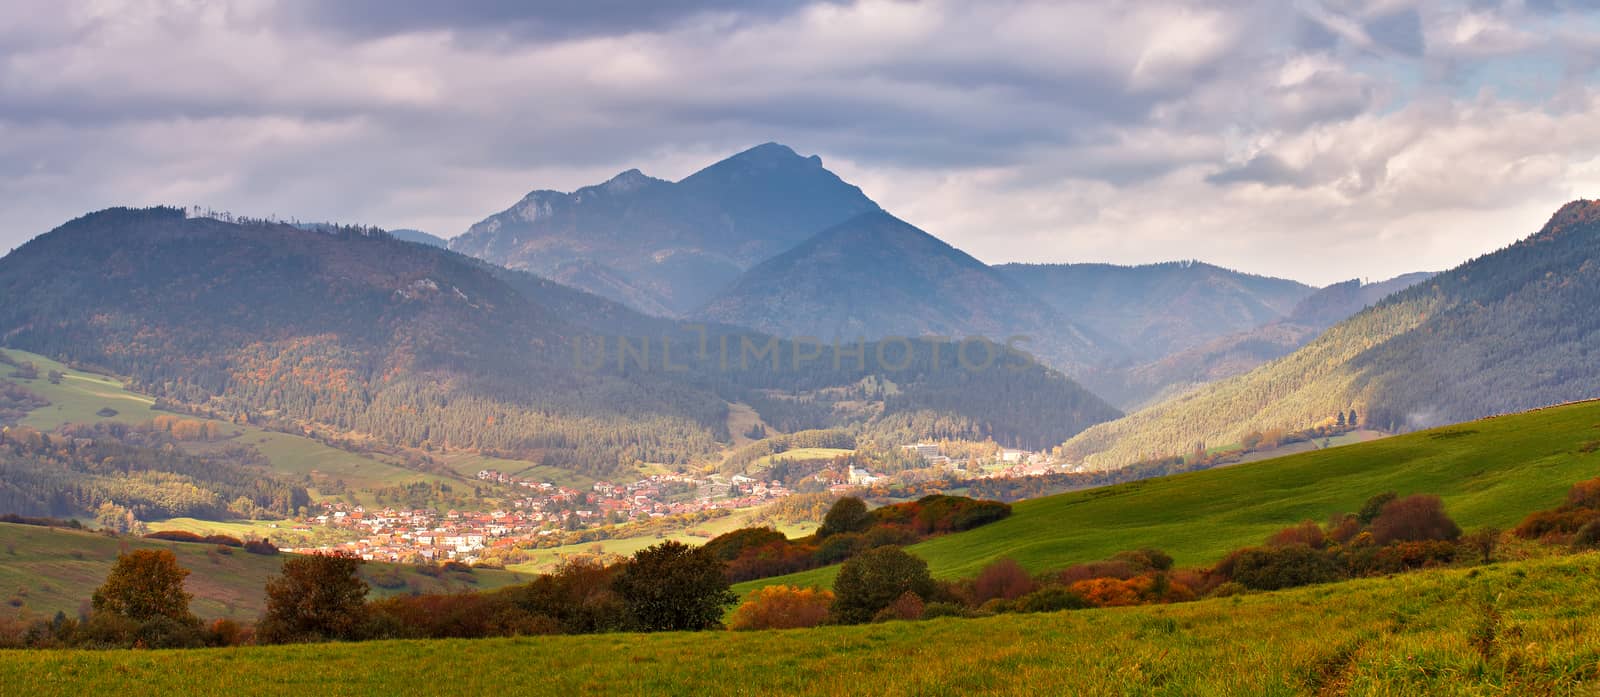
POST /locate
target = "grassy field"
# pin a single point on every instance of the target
(281, 532)
(43, 570)
(546, 560)
(1523, 628)
(1490, 472)
(798, 454)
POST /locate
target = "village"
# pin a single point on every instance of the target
(541, 511)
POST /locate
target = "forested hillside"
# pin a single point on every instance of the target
(1508, 331)
(355, 331)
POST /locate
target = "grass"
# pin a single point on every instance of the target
(280, 532)
(54, 569)
(1490, 472)
(798, 455)
(546, 560)
(1423, 633)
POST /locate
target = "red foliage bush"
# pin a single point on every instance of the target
(1005, 579)
(1096, 569)
(1307, 533)
(1414, 518)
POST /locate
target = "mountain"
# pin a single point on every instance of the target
(1508, 331)
(349, 331)
(1241, 352)
(1159, 309)
(669, 246)
(878, 276)
(419, 237)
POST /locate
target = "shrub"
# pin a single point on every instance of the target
(1108, 592)
(1588, 536)
(875, 579)
(942, 609)
(1145, 559)
(226, 632)
(908, 606)
(263, 547)
(1049, 599)
(1003, 578)
(578, 597)
(1542, 524)
(1585, 494)
(730, 545)
(1343, 529)
(783, 607)
(1370, 510)
(886, 535)
(839, 547)
(174, 536)
(674, 587)
(1272, 568)
(1483, 543)
(1307, 533)
(460, 616)
(1414, 518)
(1096, 569)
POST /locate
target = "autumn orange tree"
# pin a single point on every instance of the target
(783, 607)
(142, 602)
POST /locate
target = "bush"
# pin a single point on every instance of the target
(1584, 494)
(1307, 533)
(263, 547)
(1413, 519)
(578, 597)
(461, 616)
(783, 607)
(1097, 569)
(908, 606)
(1145, 559)
(1049, 599)
(1483, 543)
(1588, 536)
(1003, 578)
(1272, 568)
(839, 547)
(935, 610)
(1370, 510)
(730, 545)
(875, 579)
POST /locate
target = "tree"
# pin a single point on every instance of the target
(876, 578)
(142, 603)
(1351, 420)
(318, 597)
(674, 587)
(848, 514)
(143, 585)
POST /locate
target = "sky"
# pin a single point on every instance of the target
(1319, 140)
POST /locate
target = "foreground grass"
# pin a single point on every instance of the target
(46, 570)
(1490, 472)
(1423, 633)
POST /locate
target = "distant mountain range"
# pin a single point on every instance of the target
(419, 237)
(1508, 331)
(771, 240)
(664, 246)
(878, 276)
(353, 331)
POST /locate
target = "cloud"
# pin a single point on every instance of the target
(1244, 132)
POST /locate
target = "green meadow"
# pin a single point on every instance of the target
(1518, 628)
(1489, 472)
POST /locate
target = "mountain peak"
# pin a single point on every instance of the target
(1576, 213)
(631, 180)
